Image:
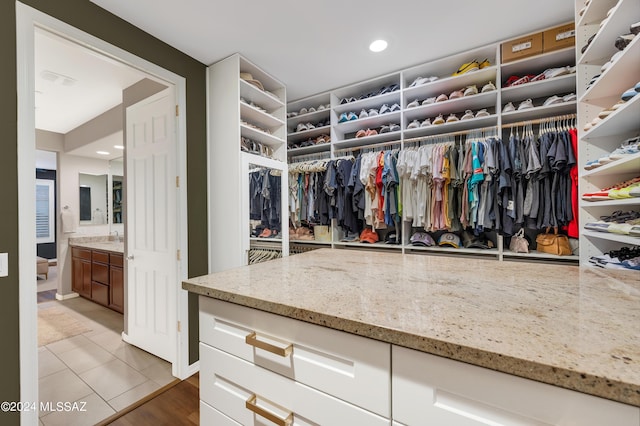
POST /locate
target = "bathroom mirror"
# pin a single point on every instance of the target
(93, 199)
(116, 172)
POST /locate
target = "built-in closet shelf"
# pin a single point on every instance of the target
(262, 161)
(313, 242)
(379, 245)
(614, 203)
(310, 117)
(312, 149)
(601, 48)
(263, 99)
(368, 103)
(259, 118)
(260, 136)
(595, 12)
(447, 85)
(539, 112)
(539, 63)
(266, 240)
(628, 164)
(621, 121)
(369, 122)
(458, 105)
(306, 134)
(617, 78)
(460, 125)
(554, 86)
(368, 140)
(624, 239)
(537, 255)
(463, 251)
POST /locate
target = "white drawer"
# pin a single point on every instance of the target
(211, 416)
(428, 389)
(228, 382)
(352, 368)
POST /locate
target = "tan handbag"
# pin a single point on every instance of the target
(519, 243)
(555, 243)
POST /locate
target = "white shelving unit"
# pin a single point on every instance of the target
(620, 125)
(342, 134)
(240, 109)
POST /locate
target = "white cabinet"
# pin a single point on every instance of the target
(428, 389)
(609, 133)
(247, 130)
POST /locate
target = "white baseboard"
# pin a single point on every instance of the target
(66, 296)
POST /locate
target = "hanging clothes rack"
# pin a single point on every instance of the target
(540, 120)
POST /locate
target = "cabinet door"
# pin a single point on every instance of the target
(116, 289)
(81, 276)
(432, 390)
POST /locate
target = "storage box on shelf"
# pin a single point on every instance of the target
(603, 125)
(560, 37)
(522, 47)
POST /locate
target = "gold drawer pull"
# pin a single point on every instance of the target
(252, 339)
(252, 406)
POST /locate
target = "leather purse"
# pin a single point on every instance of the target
(555, 243)
(519, 243)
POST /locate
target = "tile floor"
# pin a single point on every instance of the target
(95, 368)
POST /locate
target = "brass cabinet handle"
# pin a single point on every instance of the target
(252, 339)
(252, 406)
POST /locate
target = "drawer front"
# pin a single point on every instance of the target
(211, 416)
(433, 390)
(115, 259)
(100, 256)
(100, 293)
(352, 368)
(81, 253)
(100, 273)
(228, 382)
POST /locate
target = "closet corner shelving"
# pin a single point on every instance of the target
(253, 112)
(343, 140)
(604, 137)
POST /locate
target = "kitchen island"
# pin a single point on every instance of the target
(576, 328)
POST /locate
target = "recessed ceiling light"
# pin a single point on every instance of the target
(102, 153)
(378, 46)
(118, 147)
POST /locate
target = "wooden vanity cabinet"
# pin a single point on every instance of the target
(98, 276)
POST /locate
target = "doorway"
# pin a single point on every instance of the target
(28, 19)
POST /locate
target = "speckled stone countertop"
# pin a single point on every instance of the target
(98, 243)
(578, 328)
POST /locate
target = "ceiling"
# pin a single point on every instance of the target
(310, 47)
(315, 46)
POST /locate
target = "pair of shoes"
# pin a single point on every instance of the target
(489, 87)
(413, 104)
(363, 133)
(456, 94)
(452, 118)
(526, 104)
(611, 61)
(552, 72)
(468, 114)
(442, 98)
(628, 94)
(470, 90)
(586, 46)
(305, 126)
(323, 139)
(623, 40)
(471, 66)
(514, 80)
(387, 128)
(416, 124)
(384, 109)
(509, 107)
(628, 147)
(419, 81)
(347, 116)
(603, 194)
(439, 119)
(347, 100)
(555, 99)
(250, 103)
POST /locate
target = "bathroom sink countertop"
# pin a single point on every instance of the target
(98, 243)
(573, 327)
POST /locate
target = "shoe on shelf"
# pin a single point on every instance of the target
(552, 100)
(456, 94)
(310, 126)
(467, 67)
(413, 104)
(442, 98)
(489, 87)
(384, 109)
(471, 90)
(628, 94)
(363, 114)
(629, 147)
(361, 133)
(467, 115)
(426, 123)
(570, 97)
(511, 80)
(321, 108)
(419, 81)
(373, 112)
(635, 28)
(301, 127)
(526, 104)
(484, 64)
(395, 107)
(393, 127)
(452, 118)
(311, 109)
(482, 113)
(429, 101)
(438, 120)
(508, 107)
(352, 116)
(303, 111)
(385, 129)
(623, 40)
(343, 117)
(413, 125)
(592, 164)
(371, 132)
(523, 80)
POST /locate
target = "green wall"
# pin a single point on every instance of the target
(90, 18)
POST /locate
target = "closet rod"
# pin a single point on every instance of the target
(375, 145)
(540, 120)
(311, 157)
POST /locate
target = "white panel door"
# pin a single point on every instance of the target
(151, 225)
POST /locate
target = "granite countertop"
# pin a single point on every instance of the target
(573, 327)
(98, 243)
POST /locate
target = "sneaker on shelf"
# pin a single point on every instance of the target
(393, 127)
(526, 104)
(395, 107)
(628, 94)
(438, 120)
(470, 90)
(468, 114)
(508, 107)
(301, 127)
(623, 40)
(635, 28)
(428, 101)
(385, 109)
(456, 94)
(373, 112)
(570, 97)
(628, 147)
(363, 114)
(419, 81)
(489, 87)
(352, 116)
(592, 164)
(452, 118)
(552, 100)
(467, 67)
(413, 125)
(485, 63)
(442, 98)
(413, 104)
(343, 117)
(426, 123)
(482, 113)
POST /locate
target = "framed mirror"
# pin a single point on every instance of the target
(93, 199)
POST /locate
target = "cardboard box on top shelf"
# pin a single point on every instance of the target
(521, 47)
(559, 37)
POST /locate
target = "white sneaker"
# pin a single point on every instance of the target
(488, 87)
(525, 105)
(508, 107)
(413, 104)
(552, 100)
(467, 115)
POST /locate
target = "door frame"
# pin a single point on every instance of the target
(27, 19)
